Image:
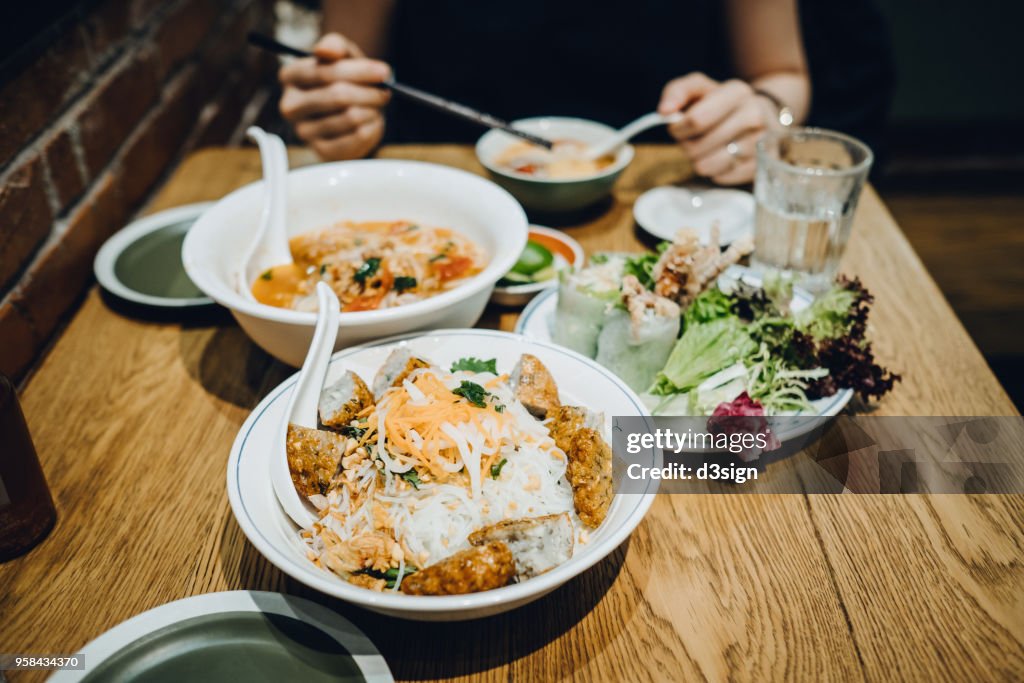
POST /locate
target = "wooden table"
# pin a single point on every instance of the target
(134, 420)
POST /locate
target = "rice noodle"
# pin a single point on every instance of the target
(378, 518)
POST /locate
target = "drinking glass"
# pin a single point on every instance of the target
(807, 186)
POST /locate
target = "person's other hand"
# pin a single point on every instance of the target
(331, 99)
(721, 124)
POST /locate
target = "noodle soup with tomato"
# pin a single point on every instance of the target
(370, 265)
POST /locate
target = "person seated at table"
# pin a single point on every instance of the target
(603, 61)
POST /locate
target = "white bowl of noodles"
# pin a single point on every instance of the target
(325, 195)
(580, 382)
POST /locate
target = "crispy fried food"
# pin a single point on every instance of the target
(367, 581)
(367, 551)
(638, 300)
(538, 544)
(343, 400)
(535, 387)
(565, 421)
(590, 473)
(313, 457)
(577, 432)
(480, 568)
(686, 268)
(396, 368)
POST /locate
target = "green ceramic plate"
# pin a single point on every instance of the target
(142, 261)
(234, 636)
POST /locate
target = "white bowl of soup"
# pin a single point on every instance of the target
(556, 180)
(405, 245)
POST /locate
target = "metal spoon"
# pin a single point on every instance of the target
(269, 247)
(302, 406)
(630, 130)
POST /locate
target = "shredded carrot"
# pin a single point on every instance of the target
(434, 450)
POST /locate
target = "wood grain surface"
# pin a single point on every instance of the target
(134, 418)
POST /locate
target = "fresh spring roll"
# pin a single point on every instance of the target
(584, 299)
(636, 341)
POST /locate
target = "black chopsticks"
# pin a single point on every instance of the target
(415, 95)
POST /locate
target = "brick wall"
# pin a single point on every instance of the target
(92, 115)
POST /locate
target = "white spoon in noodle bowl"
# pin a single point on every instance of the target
(303, 405)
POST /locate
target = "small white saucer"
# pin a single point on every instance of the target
(663, 211)
(141, 262)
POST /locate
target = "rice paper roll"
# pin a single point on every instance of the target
(638, 336)
(636, 350)
(584, 301)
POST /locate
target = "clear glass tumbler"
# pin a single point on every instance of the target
(807, 186)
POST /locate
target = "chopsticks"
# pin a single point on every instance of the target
(415, 95)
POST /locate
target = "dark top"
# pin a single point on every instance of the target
(606, 61)
(609, 61)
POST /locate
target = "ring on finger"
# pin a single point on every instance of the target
(733, 148)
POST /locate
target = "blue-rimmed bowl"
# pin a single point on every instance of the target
(581, 381)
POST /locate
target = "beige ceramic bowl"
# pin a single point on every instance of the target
(547, 194)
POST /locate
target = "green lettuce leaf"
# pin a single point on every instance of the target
(703, 350)
(831, 314)
(711, 304)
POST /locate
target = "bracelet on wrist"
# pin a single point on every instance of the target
(784, 115)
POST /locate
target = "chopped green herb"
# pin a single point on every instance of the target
(496, 468)
(323, 268)
(472, 392)
(499, 408)
(367, 270)
(267, 275)
(352, 431)
(390, 576)
(444, 252)
(642, 267)
(404, 282)
(471, 364)
(392, 573)
(412, 477)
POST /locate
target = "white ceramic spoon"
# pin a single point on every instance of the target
(629, 131)
(302, 407)
(269, 247)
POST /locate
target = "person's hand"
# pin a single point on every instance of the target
(720, 126)
(331, 99)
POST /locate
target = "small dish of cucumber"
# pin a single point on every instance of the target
(547, 253)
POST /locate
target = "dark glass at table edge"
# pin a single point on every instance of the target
(27, 513)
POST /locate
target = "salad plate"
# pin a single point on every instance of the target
(539, 319)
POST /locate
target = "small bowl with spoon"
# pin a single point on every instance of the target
(581, 168)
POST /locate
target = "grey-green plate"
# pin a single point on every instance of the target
(249, 636)
(142, 261)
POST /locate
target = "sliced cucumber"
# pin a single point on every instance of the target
(534, 258)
